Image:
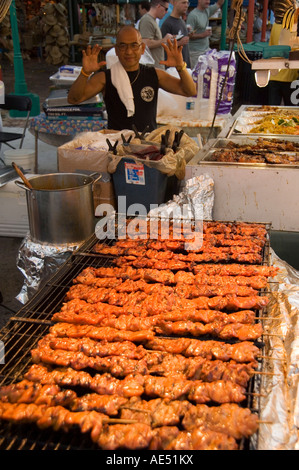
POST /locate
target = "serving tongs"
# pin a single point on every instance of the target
(177, 140)
(141, 135)
(126, 142)
(164, 142)
(112, 148)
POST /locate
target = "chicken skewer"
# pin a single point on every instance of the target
(88, 275)
(111, 436)
(181, 277)
(136, 385)
(135, 323)
(157, 363)
(228, 418)
(139, 302)
(79, 327)
(238, 331)
(240, 352)
(245, 351)
(158, 410)
(187, 291)
(139, 251)
(171, 438)
(129, 436)
(177, 264)
(52, 395)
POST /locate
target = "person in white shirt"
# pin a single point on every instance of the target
(198, 19)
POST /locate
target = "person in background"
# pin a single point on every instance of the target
(143, 8)
(257, 28)
(175, 25)
(198, 19)
(279, 87)
(151, 33)
(130, 89)
(169, 11)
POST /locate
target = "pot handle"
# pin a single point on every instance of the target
(22, 185)
(95, 180)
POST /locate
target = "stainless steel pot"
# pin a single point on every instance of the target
(60, 207)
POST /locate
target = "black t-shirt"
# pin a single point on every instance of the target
(175, 26)
(145, 90)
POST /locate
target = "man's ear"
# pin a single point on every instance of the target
(143, 47)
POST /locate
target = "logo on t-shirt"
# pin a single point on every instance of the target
(147, 93)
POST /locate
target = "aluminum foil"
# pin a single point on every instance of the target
(280, 401)
(38, 262)
(195, 201)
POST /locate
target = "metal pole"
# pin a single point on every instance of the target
(223, 26)
(20, 82)
(250, 19)
(265, 17)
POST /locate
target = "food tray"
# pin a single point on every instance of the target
(222, 143)
(247, 117)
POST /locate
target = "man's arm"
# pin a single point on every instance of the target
(85, 88)
(153, 43)
(195, 26)
(88, 84)
(206, 33)
(184, 85)
(148, 32)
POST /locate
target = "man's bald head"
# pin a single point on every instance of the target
(128, 30)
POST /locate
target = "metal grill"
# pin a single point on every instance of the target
(32, 323)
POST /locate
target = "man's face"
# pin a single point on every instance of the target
(162, 9)
(203, 4)
(141, 10)
(182, 6)
(129, 48)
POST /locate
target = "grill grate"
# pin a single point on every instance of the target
(32, 323)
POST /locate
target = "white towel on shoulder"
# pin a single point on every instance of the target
(121, 81)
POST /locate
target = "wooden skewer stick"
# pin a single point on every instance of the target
(32, 320)
(264, 422)
(272, 334)
(271, 358)
(253, 394)
(256, 372)
(119, 421)
(266, 318)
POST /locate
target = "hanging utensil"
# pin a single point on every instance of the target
(22, 176)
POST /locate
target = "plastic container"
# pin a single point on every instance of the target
(14, 220)
(25, 158)
(139, 184)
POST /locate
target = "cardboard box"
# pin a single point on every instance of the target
(72, 160)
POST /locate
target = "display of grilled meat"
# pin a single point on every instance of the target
(157, 350)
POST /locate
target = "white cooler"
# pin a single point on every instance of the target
(13, 210)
